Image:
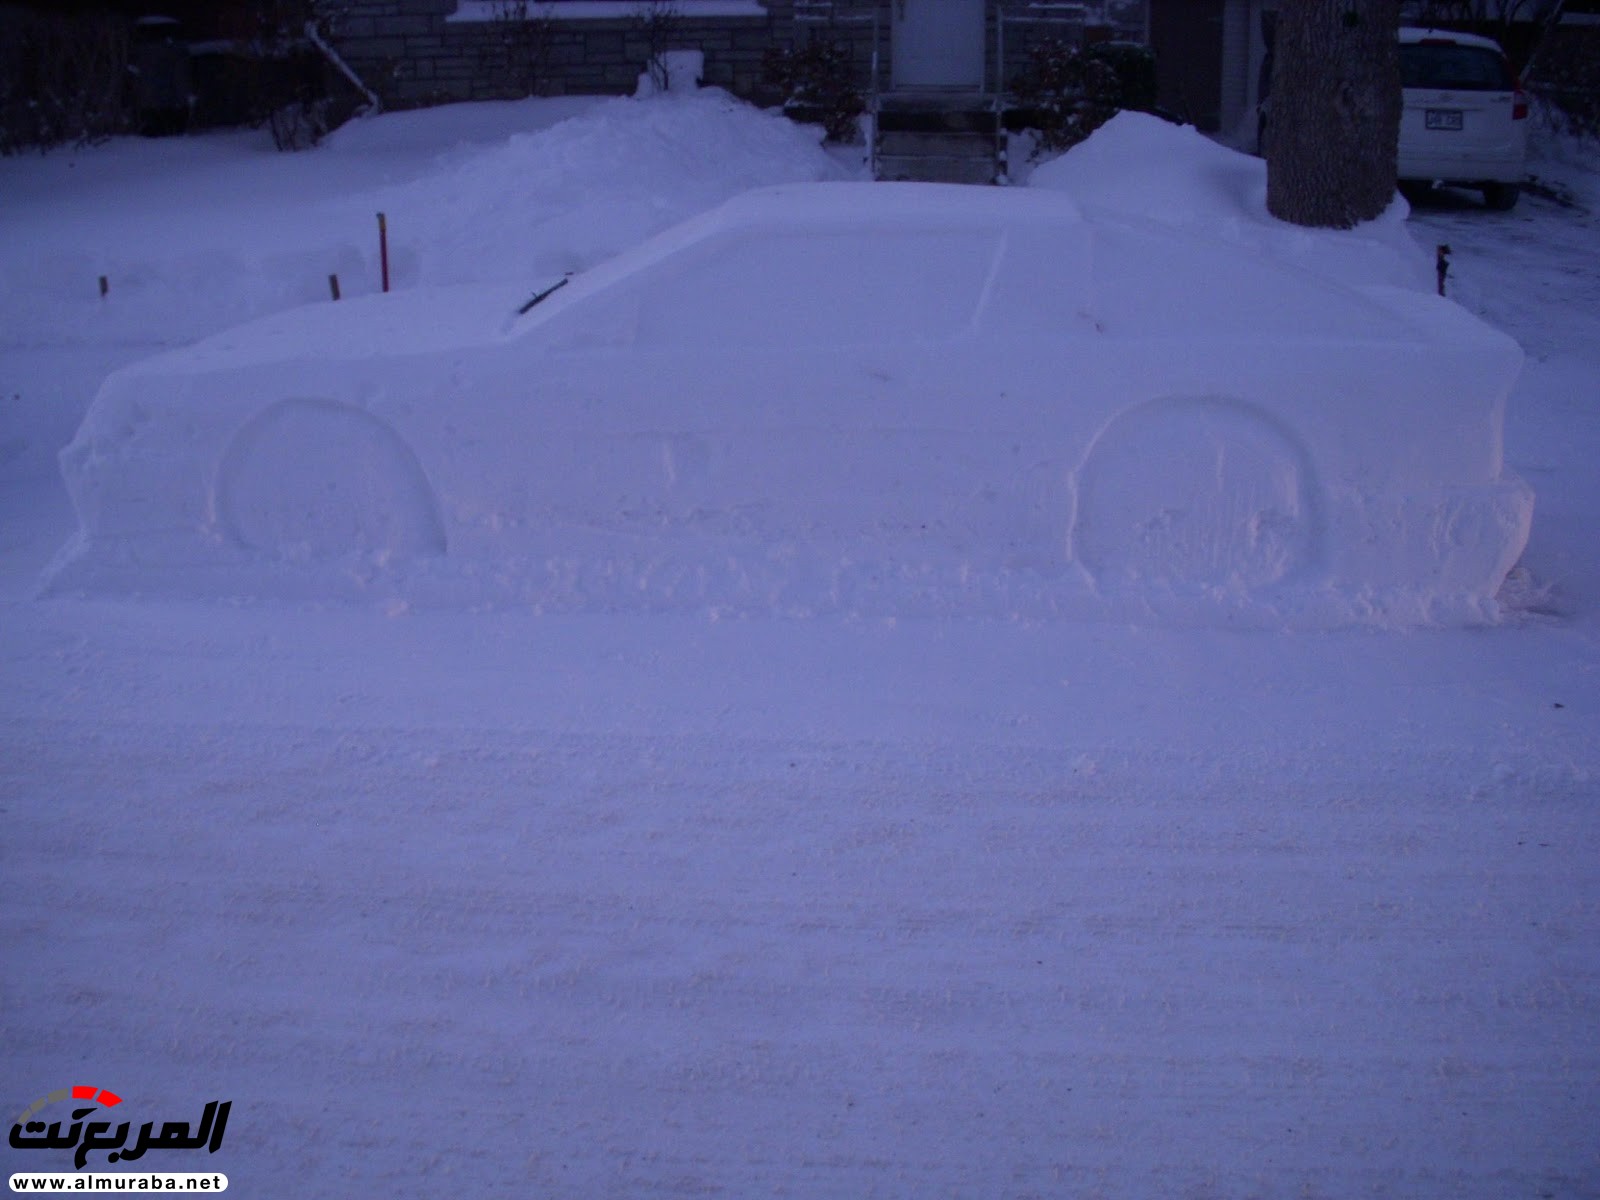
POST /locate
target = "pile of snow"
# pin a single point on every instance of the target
(1563, 164)
(1139, 167)
(562, 199)
(196, 234)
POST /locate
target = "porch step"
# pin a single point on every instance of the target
(942, 121)
(952, 145)
(935, 170)
(936, 157)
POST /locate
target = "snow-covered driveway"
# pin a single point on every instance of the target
(462, 904)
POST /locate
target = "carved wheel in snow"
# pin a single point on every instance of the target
(316, 479)
(1203, 492)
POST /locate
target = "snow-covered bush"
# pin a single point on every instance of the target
(518, 45)
(818, 82)
(1068, 92)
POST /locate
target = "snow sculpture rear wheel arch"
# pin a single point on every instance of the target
(318, 479)
(1205, 492)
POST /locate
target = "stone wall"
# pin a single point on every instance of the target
(411, 53)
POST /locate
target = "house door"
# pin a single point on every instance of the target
(1187, 37)
(938, 43)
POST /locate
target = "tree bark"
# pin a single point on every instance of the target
(1333, 121)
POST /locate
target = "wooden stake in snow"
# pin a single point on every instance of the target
(383, 249)
(1441, 264)
(105, 286)
(333, 285)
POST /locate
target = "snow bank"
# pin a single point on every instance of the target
(1139, 167)
(562, 199)
(197, 234)
(1564, 163)
(868, 399)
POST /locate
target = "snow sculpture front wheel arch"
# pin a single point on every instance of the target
(312, 479)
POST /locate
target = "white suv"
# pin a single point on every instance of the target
(1465, 116)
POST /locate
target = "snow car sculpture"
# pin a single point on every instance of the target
(912, 399)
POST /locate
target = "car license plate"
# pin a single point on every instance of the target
(1443, 118)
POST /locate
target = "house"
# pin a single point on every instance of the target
(936, 71)
(960, 58)
(426, 51)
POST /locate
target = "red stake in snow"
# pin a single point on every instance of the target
(383, 249)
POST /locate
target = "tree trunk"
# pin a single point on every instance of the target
(1333, 124)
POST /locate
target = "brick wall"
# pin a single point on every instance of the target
(411, 53)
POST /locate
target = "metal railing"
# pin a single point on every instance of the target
(1011, 22)
(831, 14)
(1074, 16)
(1065, 15)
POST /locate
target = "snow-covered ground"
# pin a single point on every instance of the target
(463, 903)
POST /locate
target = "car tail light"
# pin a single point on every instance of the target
(1519, 103)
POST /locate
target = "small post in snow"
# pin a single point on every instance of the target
(383, 249)
(333, 285)
(105, 286)
(1441, 264)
